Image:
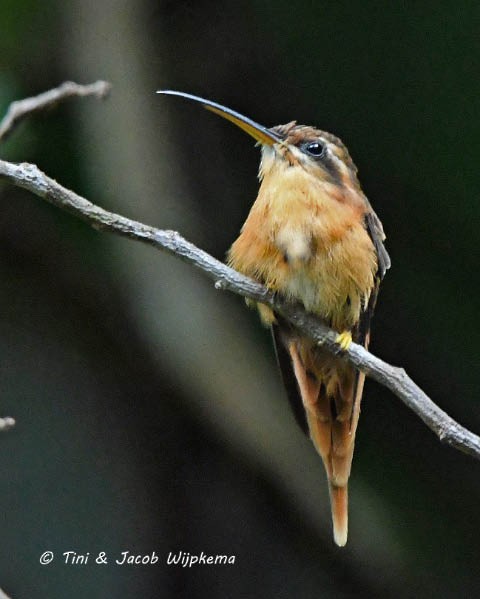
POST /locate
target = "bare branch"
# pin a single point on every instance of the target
(448, 431)
(21, 109)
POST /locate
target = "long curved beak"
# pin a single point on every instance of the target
(259, 132)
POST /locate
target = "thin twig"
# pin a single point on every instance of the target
(19, 110)
(30, 177)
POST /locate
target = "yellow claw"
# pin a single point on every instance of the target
(344, 340)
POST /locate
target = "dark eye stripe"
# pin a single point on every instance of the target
(333, 170)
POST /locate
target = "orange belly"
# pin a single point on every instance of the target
(311, 248)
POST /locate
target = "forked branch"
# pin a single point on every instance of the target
(29, 177)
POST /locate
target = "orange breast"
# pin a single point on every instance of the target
(306, 239)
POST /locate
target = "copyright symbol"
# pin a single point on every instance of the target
(46, 558)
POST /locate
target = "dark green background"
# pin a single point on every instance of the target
(149, 411)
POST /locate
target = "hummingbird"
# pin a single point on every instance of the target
(313, 238)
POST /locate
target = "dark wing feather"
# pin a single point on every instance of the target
(361, 333)
(280, 333)
(375, 230)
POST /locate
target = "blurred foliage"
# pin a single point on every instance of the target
(111, 452)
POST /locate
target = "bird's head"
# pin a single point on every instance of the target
(317, 152)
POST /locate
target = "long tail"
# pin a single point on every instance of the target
(331, 393)
(339, 505)
(334, 441)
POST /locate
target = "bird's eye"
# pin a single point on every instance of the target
(314, 148)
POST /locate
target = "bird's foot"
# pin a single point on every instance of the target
(344, 340)
(267, 315)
